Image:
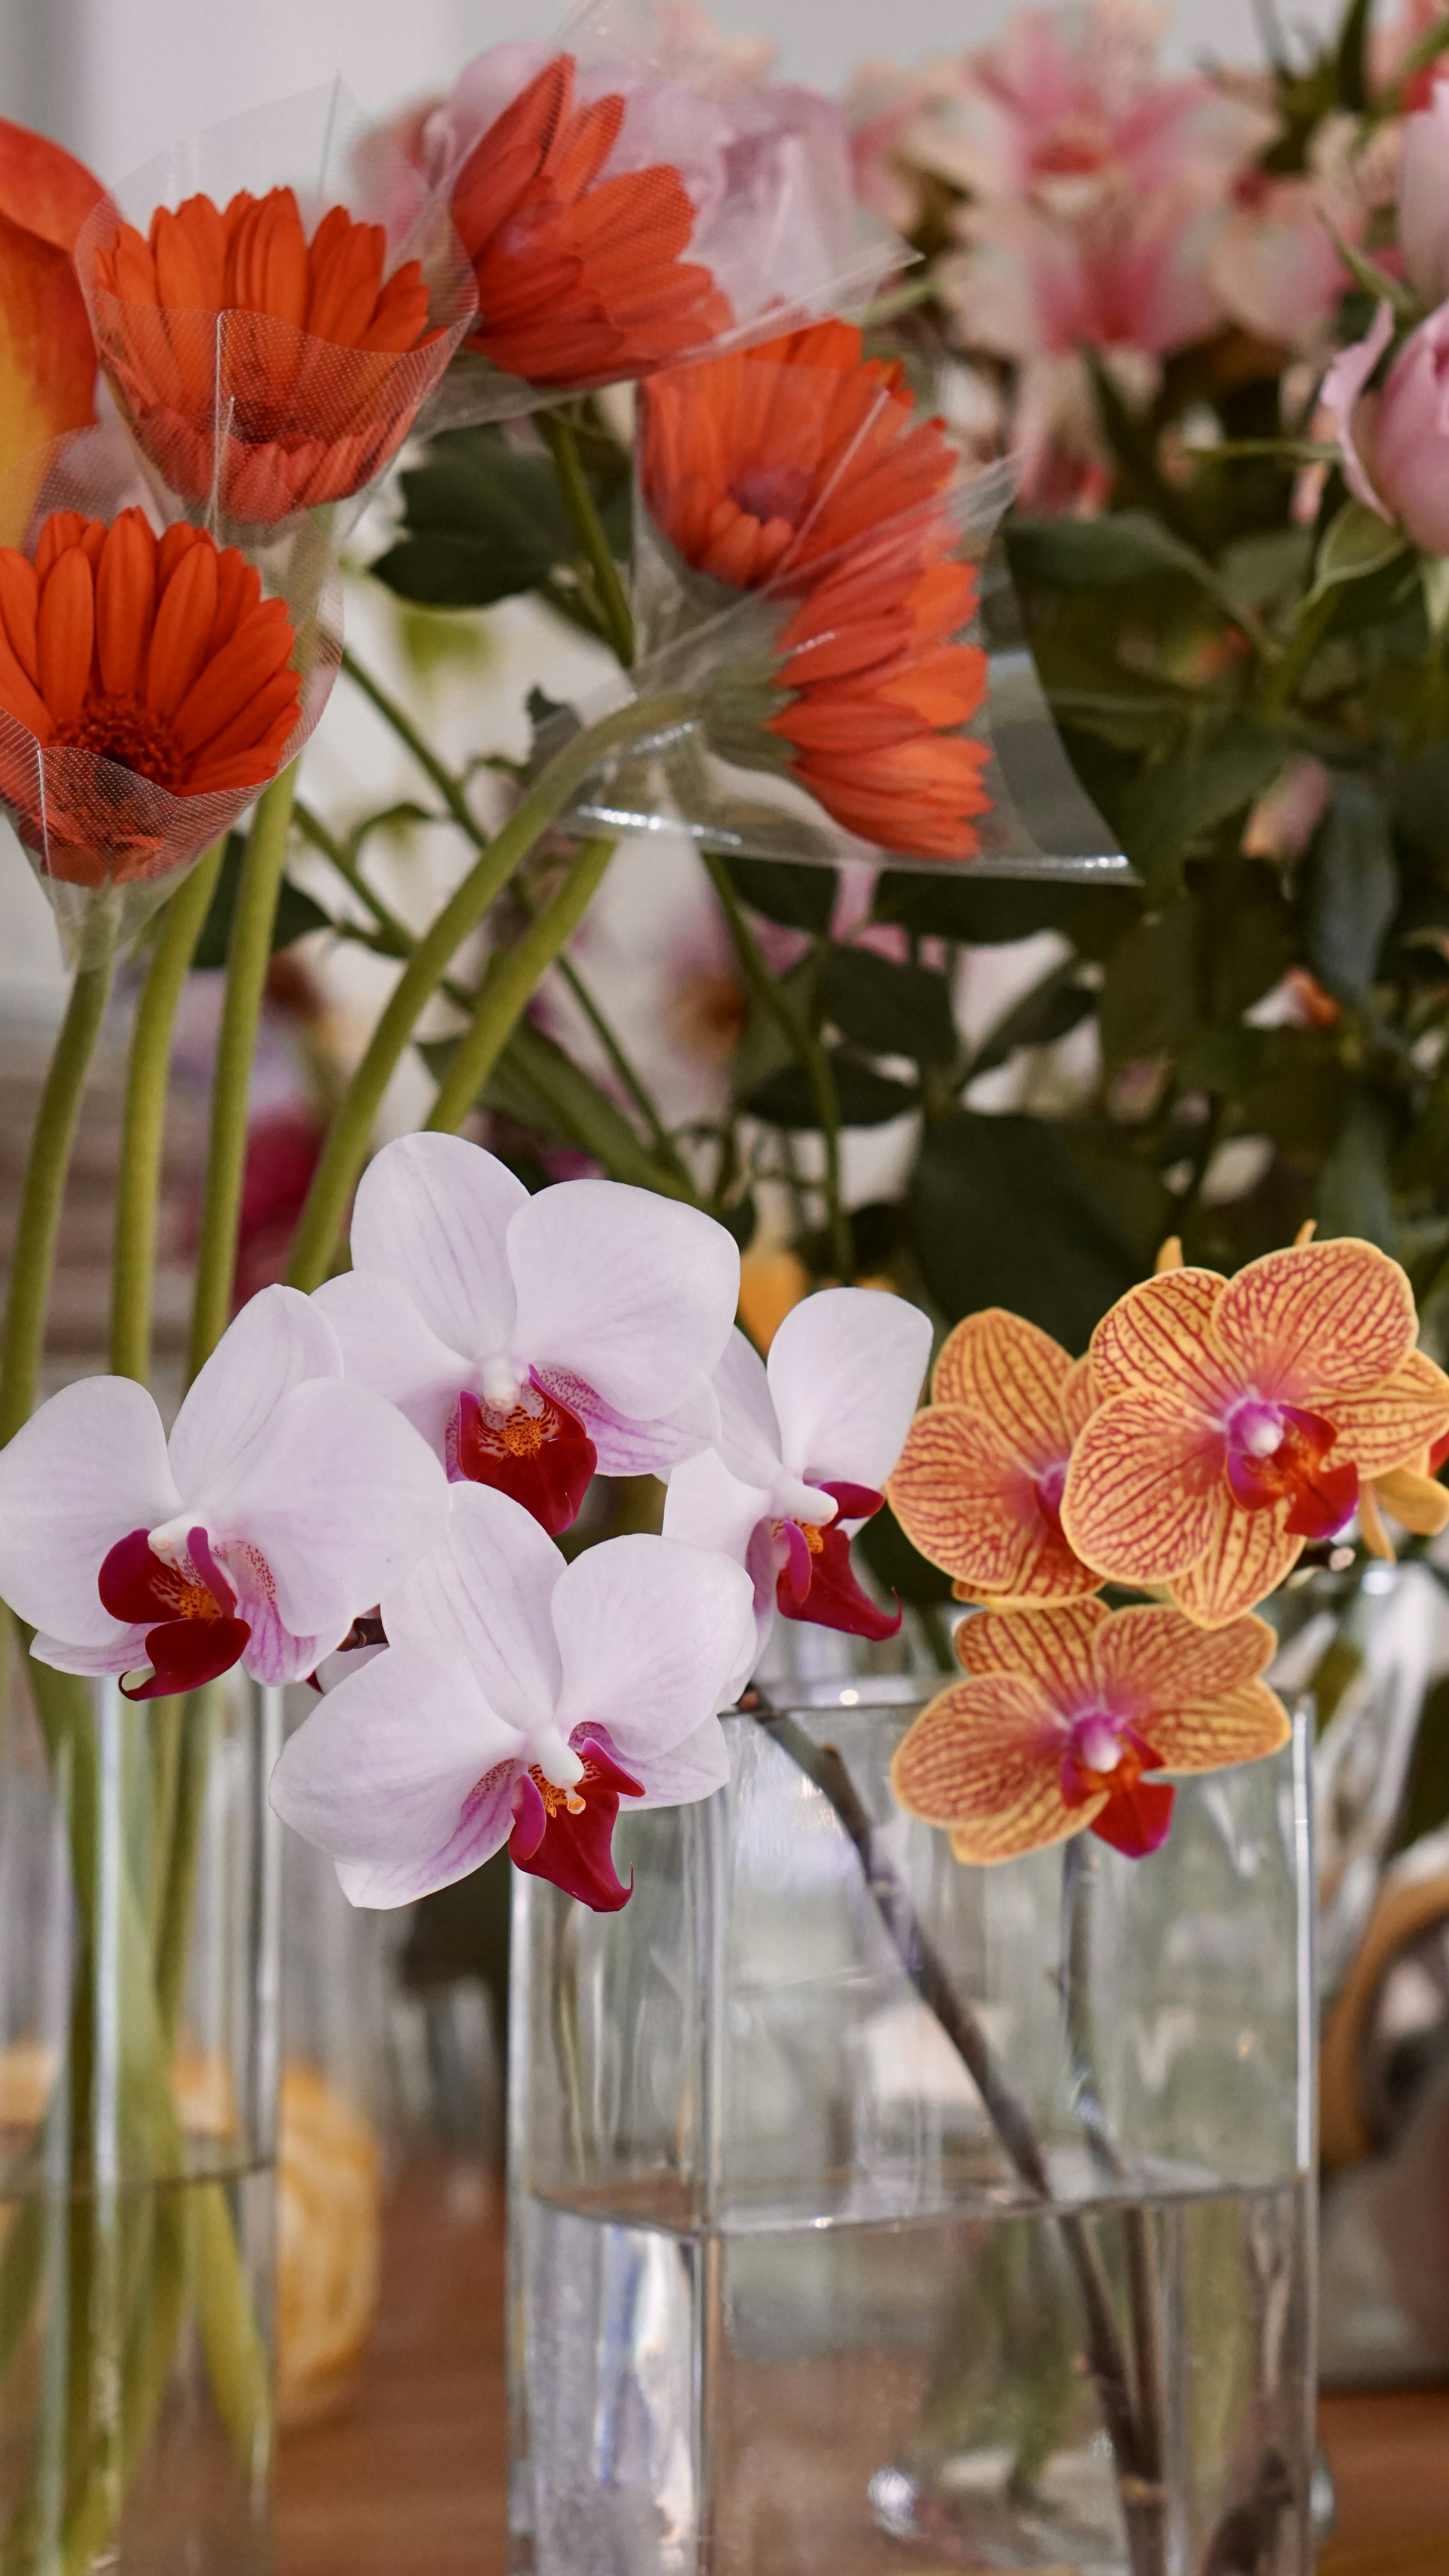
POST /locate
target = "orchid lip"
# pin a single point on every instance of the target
(1256, 1427)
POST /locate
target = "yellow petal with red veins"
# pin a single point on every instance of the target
(1051, 1648)
(1145, 1486)
(985, 1758)
(1151, 1661)
(1248, 1556)
(1317, 1321)
(43, 188)
(1417, 1502)
(1207, 1735)
(1160, 1335)
(1388, 1425)
(998, 1365)
(47, 362)
(971, 1507)
(1079, 1398)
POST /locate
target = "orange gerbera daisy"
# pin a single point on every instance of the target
(978, 1486)
(131, 665)
(581, 279)
(1063, 1714)
(1238, 1417)
(272, 370)
(799, 468)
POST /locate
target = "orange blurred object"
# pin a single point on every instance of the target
(279, 370)
(47, 356)
(581, 280)
(329, 2238)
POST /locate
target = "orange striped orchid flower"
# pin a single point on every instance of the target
(1238, 1418)
(1064, 1714)
(978, 1488)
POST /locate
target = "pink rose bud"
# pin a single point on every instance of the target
(1395, 443)
(1424, 198)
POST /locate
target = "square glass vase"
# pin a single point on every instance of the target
(787, 2298)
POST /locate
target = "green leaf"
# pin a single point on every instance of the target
(1000, 1216)
(867, 1098)
(484, 520)
(1355, 543)
(1049, 1011)
(1426, 1792)
(536, 1083)
(889, 1008)
(1353, 1186)
(1351, 61)
(803, 898)
(296, 912)
(1123, 545)
(988, 912)
(1351, 891)
(1181, 801)
(1149, 1003)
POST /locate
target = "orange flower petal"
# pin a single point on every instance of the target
(1054, 1648)
(998, 1365)
(1151, 1661)
(43, 187)
(20, 610)
(1247, 1557)
(985, 1758)
(972, 1508)
(1160, 1336)
(183, 626)
(1206, 1735)
(47, 357)
(1080, 1397)
(1318, 1320)
(1416, 1501)
(1145, 1486)
(67, 634)
(1388, 1424)
(125, 603)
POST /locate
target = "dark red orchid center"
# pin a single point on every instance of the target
(1277, 1452)
(1051, 1484)
(567, 1835)
(1106, 1756)
(816, 1580)
(186, 1605)
(537, 1451)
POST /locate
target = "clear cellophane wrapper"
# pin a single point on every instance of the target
(246, 418)
(108, 845)
(766, 167)
(718, 775)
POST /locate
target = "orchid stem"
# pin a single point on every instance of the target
(804, 1045)
(138, 1189)
(612, 598)
(32, 1259)
(449, 788)
(508, 991)
(248, 958)
(539, 806)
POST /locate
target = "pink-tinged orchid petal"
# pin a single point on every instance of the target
(433, 1213)
(1341, 393)
(627, 1448)
(634, 1293)
(279, 1341)
(1424, 198)
(339, 1497)
(692, 1769)
(707, 1507)
(88, 1467)
(650, 1631)
(386, 1344)
(750, 1439)
(404, 1773)
(486, 1591)
(845, 1373)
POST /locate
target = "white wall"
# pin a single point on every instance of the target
(119, 79)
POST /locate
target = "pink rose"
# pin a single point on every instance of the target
(1395, 444)
(1424, 198)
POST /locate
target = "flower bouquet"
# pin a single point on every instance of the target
(576, 1400)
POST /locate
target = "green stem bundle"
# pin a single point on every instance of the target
(32, 1260)
(508, 990)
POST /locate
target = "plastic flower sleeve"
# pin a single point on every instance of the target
(151, 684)
(810, 561)
(272, 303)
(630, 199)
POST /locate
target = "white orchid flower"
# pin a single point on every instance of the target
(531, 1339)
(519, 1699)
(283, 1504)
(806, 1444)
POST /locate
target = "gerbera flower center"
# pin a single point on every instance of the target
(127, 730)
(775, 491)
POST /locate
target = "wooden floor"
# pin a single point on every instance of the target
(413, 2479)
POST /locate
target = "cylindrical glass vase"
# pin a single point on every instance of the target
(789, 2299)
(138, 1939)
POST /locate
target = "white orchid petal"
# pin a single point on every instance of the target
(88, 1468)
(386, 1345)
(340, 1499)
(433, 1213)
(383, 1773)
(633, 1293)
(845, 1371)
(650, 1631)
(694, 1768)
(749, 1440)
(485, 1590)
(272, 1653)
(281, 1339)
(124, 1652)
(653, 1448)
(708, 1507)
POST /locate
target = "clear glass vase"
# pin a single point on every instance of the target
(873, 2213)
(138, 1939)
